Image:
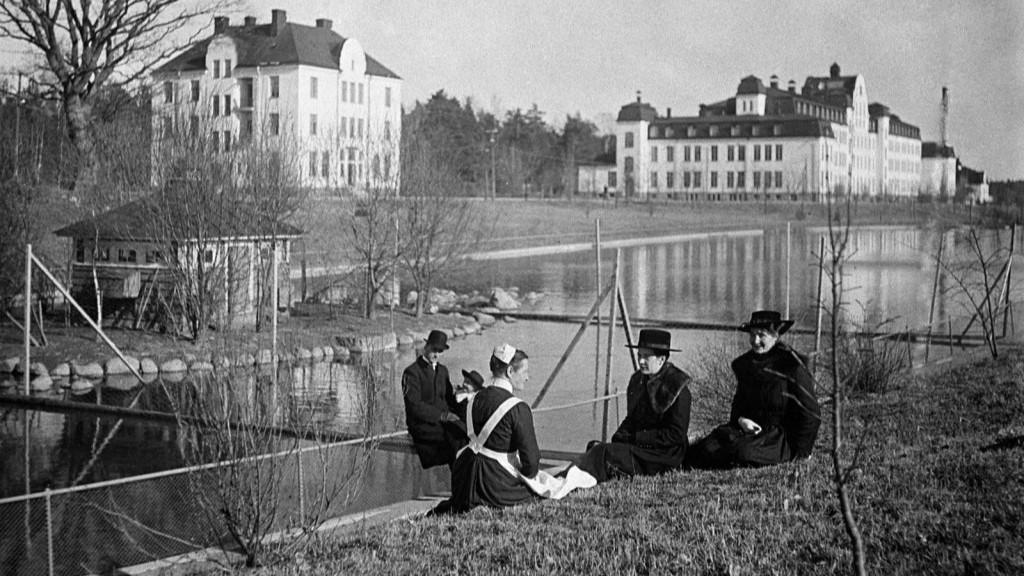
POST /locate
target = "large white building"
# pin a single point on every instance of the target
(310, 92)
(767, 141)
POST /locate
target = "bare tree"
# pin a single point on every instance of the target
(437, 227)
(839, 223)
(85, 46)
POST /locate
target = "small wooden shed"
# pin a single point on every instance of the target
(138, 254)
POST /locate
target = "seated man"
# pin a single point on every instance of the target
(652, 438)
(775, 415)
(431, 412)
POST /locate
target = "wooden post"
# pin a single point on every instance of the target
(597, 315)
(626, 326)
(28, 322)
(931, 309)
(1009, 271)
(821, 273)
(273, 322)
(572, 344)
(39, 321)
(789, 250)
(910, 351)
(611, 342)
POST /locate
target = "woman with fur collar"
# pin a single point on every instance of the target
(652, 437)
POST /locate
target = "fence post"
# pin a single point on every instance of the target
(302, 490)
(910, 351)
(49, 530)
(611, 342)
(28, 317)
(597, 314)
(949, 322)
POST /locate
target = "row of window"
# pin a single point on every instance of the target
(733, 153)
(733, 180)
(350, 91)
(350, 165)
(125, 255)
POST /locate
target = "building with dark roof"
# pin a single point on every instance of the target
(315, 92)
(769, 141)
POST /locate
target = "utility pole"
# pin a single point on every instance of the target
(17, 129)
(494, 174)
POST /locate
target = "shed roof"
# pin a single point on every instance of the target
(140, 220)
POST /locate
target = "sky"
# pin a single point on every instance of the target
(591, 57)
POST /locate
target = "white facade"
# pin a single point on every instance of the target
(771, 142)
(597, 179)
(335, 113)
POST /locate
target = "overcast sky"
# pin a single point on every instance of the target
(592, 56)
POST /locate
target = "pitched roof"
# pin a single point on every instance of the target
(936, 150)
(637, 111)
(779, 126)
(258, 46)
(140, 220)
(750, 85)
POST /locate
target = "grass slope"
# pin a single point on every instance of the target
(928, 499)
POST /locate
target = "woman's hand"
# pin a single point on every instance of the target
(749, 426)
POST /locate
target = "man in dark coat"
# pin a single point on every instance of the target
(775, 415)
(431, 412)
(653, 436)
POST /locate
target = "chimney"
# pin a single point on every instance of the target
(774, 81)
(668, 112)
(278, 18)
(220, 24)
(833, 70)
(324, 23)
(250, 21)
(792, 86)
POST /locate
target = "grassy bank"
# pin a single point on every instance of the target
(930, 500)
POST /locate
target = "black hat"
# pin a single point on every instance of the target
(768, 319)
(474, 377)
(657, 340)
(436, 340)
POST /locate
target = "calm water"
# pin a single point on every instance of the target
(712, 279)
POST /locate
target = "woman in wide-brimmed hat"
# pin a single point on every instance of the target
(775, 414)
(653, 436)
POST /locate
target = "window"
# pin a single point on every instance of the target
(613, 179)
(216, 68)
(778, 152)
(195, 90)
(313, 88)
(686, 153)
(193, 125)
(686, 179)
(741, 180)
(351, 166)
(227, 105)
(767, 152)
(312, 124)
(387, 130)
(344, 127)
(215, 141)
(352, 128)
(741, 153)
(153, 256)
(325, 168)
(629, 140)
(757, 153)
(227, 141)
(628, 164)
(654, 179)
(344, 91)
(696, 179)
(757, 180)
(654, 153)
(312, 164)
(360, 93)
(767, 179)
(670, 180)
(730, 180)
(275, 86)
(778, 179)
(216, 106)
(696, 153)
(275, 124)
(227, 68)
(670, 153)
(714, 153)
(168, 92)
(714, 179)
(79, 251)
(730, 153)
(245, 126)
(387, 96)
(360, 132)
(245, 93)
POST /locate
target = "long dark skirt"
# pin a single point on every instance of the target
(478, 480)
(728, 446)
(609, 460)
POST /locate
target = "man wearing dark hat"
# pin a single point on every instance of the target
(653, 436)
(431, 411)
(775, 415)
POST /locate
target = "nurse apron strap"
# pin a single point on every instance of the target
(544, 484)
